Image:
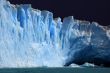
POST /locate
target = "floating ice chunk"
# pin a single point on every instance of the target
(75, 66)
(88, 65)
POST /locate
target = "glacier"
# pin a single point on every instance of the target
(33, 38)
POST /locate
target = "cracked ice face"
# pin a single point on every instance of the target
(33, 38)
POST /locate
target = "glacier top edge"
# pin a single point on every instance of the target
(46, 11)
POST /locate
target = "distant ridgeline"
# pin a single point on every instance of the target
(33, 38)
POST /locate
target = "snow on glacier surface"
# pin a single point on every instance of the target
(32, 38)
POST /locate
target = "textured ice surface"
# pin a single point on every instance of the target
(32, 38)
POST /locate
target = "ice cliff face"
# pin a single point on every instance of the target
(32, 38)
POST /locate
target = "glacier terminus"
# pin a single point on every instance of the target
(33, 38)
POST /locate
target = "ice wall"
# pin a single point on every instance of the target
(29, 37)
(32, 38)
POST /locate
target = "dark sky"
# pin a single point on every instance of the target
(91, 10)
